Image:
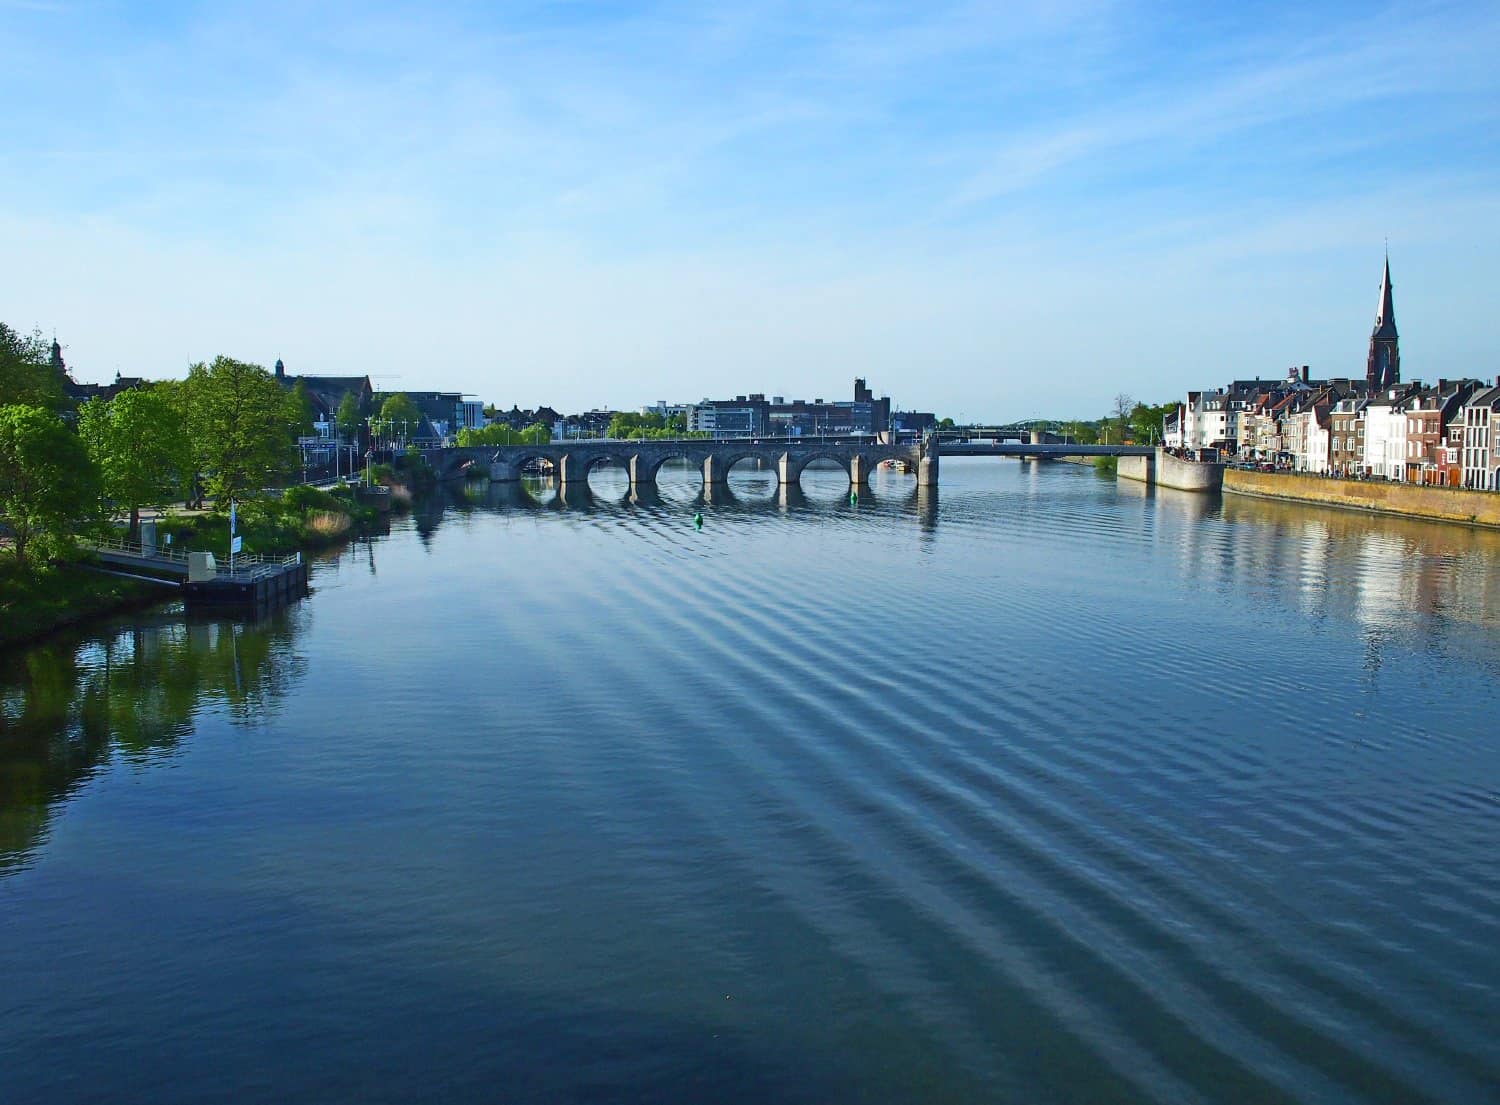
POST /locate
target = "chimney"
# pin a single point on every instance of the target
(1304, 373)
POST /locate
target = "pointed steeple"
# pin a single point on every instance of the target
(1383, 368)
(1385, 313)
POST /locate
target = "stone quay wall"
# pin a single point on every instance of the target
(1135, 468)
(1165, 470)
(1440, 504)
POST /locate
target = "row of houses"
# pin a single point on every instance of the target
(1374, 428)
(1409, 432)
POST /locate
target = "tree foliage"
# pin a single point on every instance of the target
(398, 415)
(303, 408)
(242, 424)
(497, 433)
(1145, 422)
(141, 449)
(48, 485)
(26, 374)
(1083, 433)
(347, 417)
(647, 426)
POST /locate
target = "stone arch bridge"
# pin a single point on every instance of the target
(572, 461)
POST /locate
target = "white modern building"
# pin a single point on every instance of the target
(1385, 437)
(1481, 458)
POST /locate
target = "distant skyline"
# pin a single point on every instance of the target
(988, 210)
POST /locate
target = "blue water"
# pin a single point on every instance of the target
(1039, 789)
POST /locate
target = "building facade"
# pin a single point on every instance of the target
(1480, 456)
(1346, 437)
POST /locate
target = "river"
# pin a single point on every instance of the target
(1041, 788)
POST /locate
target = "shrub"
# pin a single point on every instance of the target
(304, 499)
(326, 525)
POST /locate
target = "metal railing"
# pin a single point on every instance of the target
(121, 547)
(246, 565)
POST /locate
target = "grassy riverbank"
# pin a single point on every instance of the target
(302, 518)
(42, 598)
(37, 601)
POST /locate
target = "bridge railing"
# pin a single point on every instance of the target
(737, 440)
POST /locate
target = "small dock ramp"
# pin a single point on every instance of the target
(204, 580)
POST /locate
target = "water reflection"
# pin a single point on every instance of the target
(1393, 576)
(69, 706)
(1080, 795)
(608, 491)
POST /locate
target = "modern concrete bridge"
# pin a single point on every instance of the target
(571, 461)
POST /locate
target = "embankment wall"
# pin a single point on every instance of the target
(1165, 470)
(1442, 504)
(1134, 468)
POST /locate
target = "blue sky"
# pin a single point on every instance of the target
(992, 210)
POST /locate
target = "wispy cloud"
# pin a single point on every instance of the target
(683, 197)
(1266, 82)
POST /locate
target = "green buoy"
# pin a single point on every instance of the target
(698, 520)
(853, 497)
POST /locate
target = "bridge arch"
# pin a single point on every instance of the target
(658, 460)
(648, 467)
(515, 462)
(845, 460)
(586, 463)
(725, 461)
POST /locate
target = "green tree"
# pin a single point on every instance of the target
(1084, 433)
(48, 485)
(1146, 421)
(626, 424)
(302, 409)
(946, 424)
(26, 374)
(242, 424)
(347, 418)
(498, 433)
(140, 448)
(398, 415)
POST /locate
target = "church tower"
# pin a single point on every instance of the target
(1383, 369)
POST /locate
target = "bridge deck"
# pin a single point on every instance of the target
(1050, 449)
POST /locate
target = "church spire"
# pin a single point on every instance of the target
(1385, 313)
(1383, 368)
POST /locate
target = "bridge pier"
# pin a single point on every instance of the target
(642, 474)
(570, 461)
